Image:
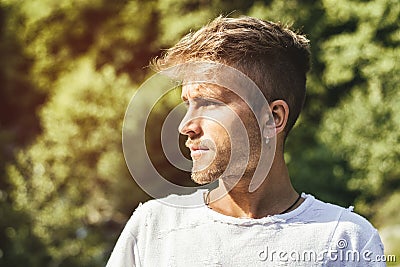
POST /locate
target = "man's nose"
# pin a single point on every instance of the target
(190, 126)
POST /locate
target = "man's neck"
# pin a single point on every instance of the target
(274, 195)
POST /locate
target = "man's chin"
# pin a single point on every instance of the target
(205, 176)
(230, 177)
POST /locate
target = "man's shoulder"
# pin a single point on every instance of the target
(350, 231)
(173, 202)
(169, 210)
(345, 219)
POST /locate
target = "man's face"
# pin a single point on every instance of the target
(217, 118)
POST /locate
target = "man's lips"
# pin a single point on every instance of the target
(197, 151)
(194, 147)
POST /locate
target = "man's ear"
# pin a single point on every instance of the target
(267, 123)
(280, 112)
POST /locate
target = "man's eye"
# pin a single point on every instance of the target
(208, 102)
(202, 103)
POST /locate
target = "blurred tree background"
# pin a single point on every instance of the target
(69, 68)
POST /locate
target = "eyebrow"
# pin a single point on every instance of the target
(224, 97)
(198, 96)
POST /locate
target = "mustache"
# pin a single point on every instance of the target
(201, 143)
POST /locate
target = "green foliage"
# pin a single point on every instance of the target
(66, 179)
(364, 128)
(67, 195)
(367, 123)
(16, 238)
(58, 32)
(18, 124)
(192, 15)
(368, 45)
(387, 218)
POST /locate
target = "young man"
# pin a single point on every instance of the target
(237, 224)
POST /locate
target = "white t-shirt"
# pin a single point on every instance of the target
(314, 234)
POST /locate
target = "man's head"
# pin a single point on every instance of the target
(273, 56)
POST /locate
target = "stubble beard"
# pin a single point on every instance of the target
(217, 167)
(241, 159)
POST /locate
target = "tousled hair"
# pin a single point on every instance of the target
(271, 54)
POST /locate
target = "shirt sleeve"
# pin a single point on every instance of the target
(126, 251)
(373, 253)
(355, 243)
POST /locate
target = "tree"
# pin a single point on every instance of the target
(363, 59)
(18, 127)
